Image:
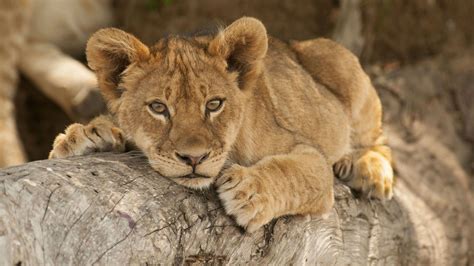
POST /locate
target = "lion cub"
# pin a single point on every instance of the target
(268, 123)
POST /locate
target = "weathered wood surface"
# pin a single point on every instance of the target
(113, 209)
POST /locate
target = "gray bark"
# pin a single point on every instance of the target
(114, 209)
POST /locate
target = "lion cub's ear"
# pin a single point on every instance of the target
(109, 52)
(243, 45)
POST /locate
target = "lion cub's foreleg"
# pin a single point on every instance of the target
(297, 183)
(98, 136)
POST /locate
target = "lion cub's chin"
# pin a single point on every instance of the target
(194, 182)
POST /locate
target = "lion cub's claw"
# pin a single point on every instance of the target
(343, 168)
(242, 196)
(81, 139)
(371, 174)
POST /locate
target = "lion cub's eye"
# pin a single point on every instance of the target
(214, 105)
(158, 108)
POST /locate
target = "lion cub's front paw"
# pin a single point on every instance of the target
(371, 173)
(85, 139)
(245, 197)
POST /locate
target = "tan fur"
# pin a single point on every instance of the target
(37, 38)
(13, 24)
(57, 31)
(290, 114)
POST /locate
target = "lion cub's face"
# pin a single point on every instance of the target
(182, 100)
(183, 110)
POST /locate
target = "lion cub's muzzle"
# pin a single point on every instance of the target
(195, 170)
(192, 160)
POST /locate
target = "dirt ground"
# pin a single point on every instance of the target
(399, 37)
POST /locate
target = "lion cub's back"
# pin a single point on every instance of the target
(304, 106)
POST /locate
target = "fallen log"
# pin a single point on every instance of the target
(114, 209)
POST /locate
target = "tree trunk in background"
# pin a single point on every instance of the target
(348, 29)
(114, 209)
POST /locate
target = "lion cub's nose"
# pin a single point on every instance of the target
(192, 160)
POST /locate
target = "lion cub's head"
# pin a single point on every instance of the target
(182, 100)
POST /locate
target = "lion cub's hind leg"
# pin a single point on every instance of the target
(369, 167)
(369, 171)
(98, 136)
